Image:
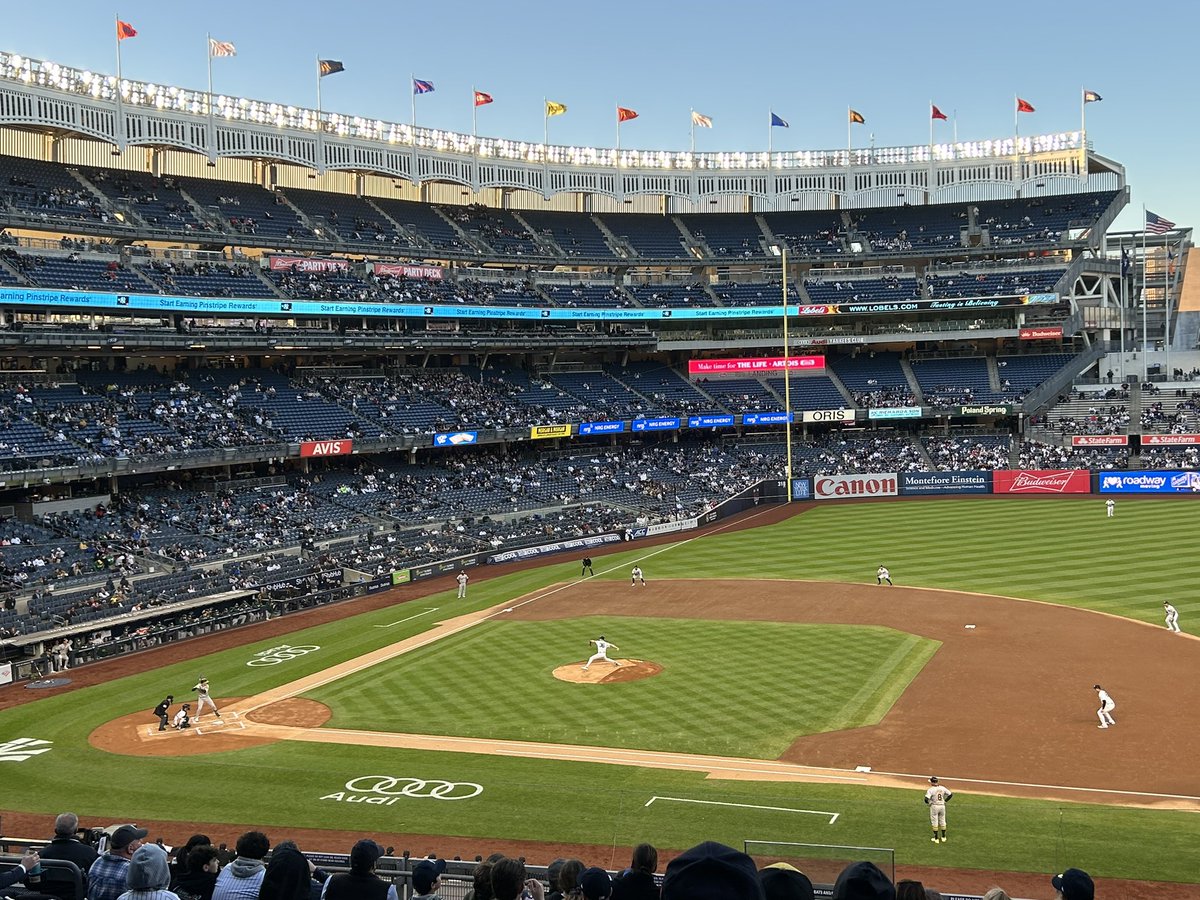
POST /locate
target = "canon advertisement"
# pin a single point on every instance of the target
(1152, 482)
(1042, 481)
(841, 487)
(923, 484)
(755, 366)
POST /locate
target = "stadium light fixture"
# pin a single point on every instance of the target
(780, 250)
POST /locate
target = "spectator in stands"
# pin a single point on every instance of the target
(20, 872)
(595, 884)
(107, 876)
(711, 870)
(149, 875)
(863, 881)
(481, 881)
(180, 866)
(197, 882)
(784, 882)
(509, 879)
(907, 889)
(241, 879)
(288, 876)
(637, 882)
(568, 877)
(427, 878)
(361, 882)
(996, 893)
(67, 846)
(1074, 884)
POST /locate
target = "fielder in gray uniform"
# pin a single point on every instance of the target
(936, 799)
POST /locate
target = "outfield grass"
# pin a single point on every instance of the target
(1060, 550)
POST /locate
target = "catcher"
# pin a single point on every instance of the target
(936, 799)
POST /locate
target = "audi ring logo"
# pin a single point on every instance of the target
(283, 653)
(384, 790)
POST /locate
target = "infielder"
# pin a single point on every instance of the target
(1106, 707)
(202, 698)
(587, 567)
(882, 575)
(1111, 506)
(462, 580)
(636, 575)
(936, 799)
(1172, 617)
(601, 654)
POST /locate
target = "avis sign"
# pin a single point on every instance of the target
(840, 487)
(327, 448)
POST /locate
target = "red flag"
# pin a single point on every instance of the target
(125, 30)
(1024, 106)
(624, 115)
(935, 113)
(482, 99)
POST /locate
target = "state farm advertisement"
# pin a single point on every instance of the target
(307, 264)
(1050, 333)
(1099, 440)
(755, 366)
(400, 270)
(327, 448)
(1169, 440)
(840, 487)
(1042, 481)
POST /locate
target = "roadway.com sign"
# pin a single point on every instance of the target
(1042, 481)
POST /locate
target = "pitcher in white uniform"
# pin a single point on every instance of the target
(601, 654)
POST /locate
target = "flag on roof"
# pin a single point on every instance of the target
(624, 115)
(777, 122)
(1126, 262)
(935, 113)
(701, 120)
(329, 67)
(555, 109)
(1091, 97)
(856, 118)
(1157, 224)
(1024, 106)
(125, 30)
(482, 99)
(220, 48)
(422, 87)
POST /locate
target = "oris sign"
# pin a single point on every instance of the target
(836, 487)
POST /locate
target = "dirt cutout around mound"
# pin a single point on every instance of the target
(606, 673)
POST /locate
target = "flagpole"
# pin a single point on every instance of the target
(212, 125)
(618, 136)
(120, 111)
(412, 81)
(956, 126)
(849, 140)
(693, 130)
(1124, 298)
(770, 138)
(545, 122)
(1167, 303)
(320, 131)
(1144, 299)
(474, 112)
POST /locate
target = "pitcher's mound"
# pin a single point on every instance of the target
(607, 673)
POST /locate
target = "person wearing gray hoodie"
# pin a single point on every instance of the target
(148, 875)
(241, 879)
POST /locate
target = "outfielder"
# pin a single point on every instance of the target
(1172, 617)
(202, 698)
(1111, 506)
(636, 575)
(1106, 707)
(882, 575)
(936, 799)
(462, 580)
(601, 654)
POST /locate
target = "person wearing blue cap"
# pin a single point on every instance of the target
(1074, 884)
(712, 871)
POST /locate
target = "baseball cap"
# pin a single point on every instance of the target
(364, 854)
(425, 873)
(126, 835)
(1075, 884)
(863, 881)
(711, 871)
(595, 883)
(783, 882)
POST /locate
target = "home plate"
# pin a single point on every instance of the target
(862, 768)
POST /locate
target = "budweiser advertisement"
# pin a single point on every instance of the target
(400, 270)
(1049, 333)
(837, 487)
(1099, 440)
(1042, 481)
(755, 365)
(1169, 440)
(307, 264)
(327, 448)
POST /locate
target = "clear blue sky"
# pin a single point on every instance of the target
(807, 61)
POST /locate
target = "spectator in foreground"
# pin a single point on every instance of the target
(67, 846)
(481, 882)
(427, 878)
(287, 876)
(907, 889)
(781, 881)
(1074, 884)
(568, 877)
(509, 880)
(148, 875)
(361, 882)
(996, 894)
(242, 878)
(198, 881)
(19, 872)
(179, 867)
(637, 882)
(711, 870)
(863, 881)
(595, 884)
(107, 876)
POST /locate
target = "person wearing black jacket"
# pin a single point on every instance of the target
(161, 711)
(67, 846)
(637, 882)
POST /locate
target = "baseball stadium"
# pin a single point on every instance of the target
(309, 420)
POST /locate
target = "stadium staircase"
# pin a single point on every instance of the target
(412, 238)
(923, 453)
(619, 247)
(545, 241)
(993, 374)
(913, 384)
(1061, 380)
(326, 232)
(841, 388)
(694, 245)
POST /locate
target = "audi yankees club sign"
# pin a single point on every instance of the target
(281, 654)
(387, 790)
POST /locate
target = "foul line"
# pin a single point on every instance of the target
(410, 618)
(833, 817)
(1049, 787)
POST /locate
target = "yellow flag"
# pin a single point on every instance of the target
(856, 118)
(555, 109)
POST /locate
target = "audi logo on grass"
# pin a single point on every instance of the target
(384, 790)
(280, 654)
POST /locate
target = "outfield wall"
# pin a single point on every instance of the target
(1006, 482)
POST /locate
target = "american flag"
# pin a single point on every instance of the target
(220, 48)
(1157, 224)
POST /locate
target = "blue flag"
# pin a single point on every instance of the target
(422, 87)
(777, 122)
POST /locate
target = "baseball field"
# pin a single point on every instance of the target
(768, 690)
